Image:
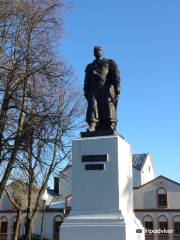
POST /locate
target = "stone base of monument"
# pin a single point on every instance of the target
(102, 194)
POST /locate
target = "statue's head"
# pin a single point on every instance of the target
(98, 52)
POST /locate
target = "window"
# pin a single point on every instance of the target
(3, 225)
(177, 228)
(163, 224)
(161, 198)
(57, 223)
(176, 223)
(148, 223)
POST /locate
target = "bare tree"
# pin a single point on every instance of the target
(40, 106)
(17, 193)
(50, 125)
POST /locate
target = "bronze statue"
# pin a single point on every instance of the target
(101, 90)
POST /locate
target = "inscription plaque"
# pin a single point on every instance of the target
(94, 167)
(95, 158)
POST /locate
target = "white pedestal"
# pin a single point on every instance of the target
(102, 200)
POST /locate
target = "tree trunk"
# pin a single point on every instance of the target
(17, 141)
(16, 233)
(28, 229)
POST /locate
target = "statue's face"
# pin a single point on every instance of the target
(98, 52)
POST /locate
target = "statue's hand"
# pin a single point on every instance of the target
(117, 91)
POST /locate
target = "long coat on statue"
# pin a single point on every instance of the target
(101, 88)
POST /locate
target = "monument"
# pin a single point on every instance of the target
(102, 191)
(101, 90)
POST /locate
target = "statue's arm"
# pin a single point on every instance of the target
(86, 82)
(116, 79)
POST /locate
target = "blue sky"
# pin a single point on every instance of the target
(143, 37)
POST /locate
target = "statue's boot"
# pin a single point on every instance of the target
(92, 127)
(113, 126)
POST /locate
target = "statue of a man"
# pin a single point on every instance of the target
(101, 90)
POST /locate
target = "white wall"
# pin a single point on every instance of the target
(65, 182)
(145, 202)
(5, 202)
(145, 197)
(7, 210)
(48, 224)
(36, 229)
(147, 171)
(155, 216)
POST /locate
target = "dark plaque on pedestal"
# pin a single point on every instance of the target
(95, 158)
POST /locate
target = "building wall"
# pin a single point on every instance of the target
(65, 184)
(48, 229)
(145, 197)
(10, 217)
(49, 218)
(145, 204)
(5, 202)
(155, 216)
(147, 172)
(8, 211)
